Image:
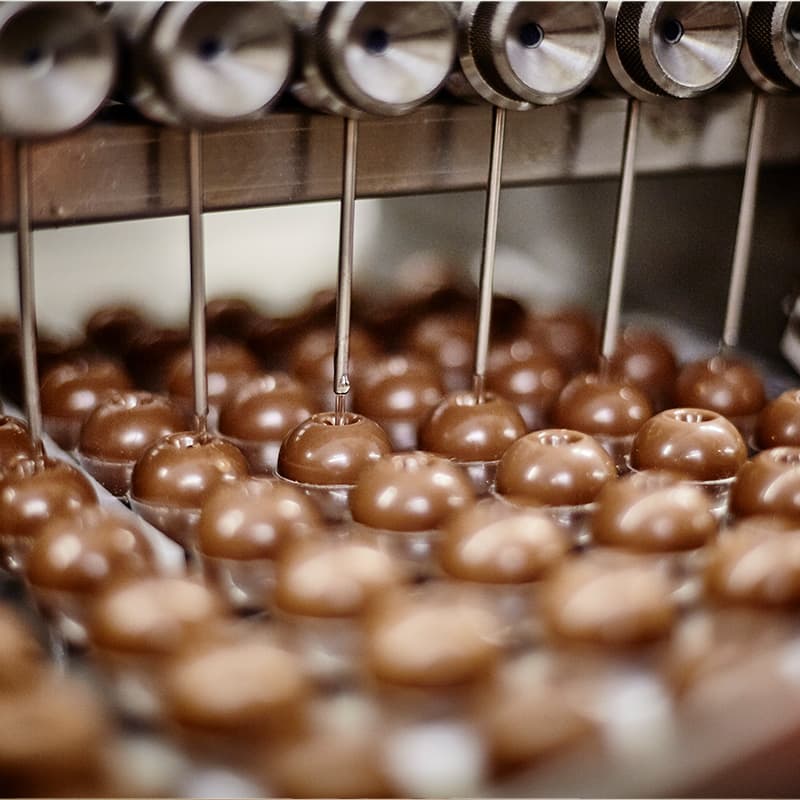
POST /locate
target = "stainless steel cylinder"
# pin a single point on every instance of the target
(383, 58)
(57, 66)
(672, 49)
(771, 47)
(201, 64)
(516, 55)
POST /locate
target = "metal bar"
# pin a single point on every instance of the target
(197, 307)
(622, 230)
(744, 227)
(27, 296)
(344, 287)
(486, 278)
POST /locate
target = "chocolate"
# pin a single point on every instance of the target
(149, 353)
(111, 329)
(554, 468)
(322, 453)
(653, 511)
(768, 484)
(601, 406)
(180, 469)
(698, 442)
(645, 360)
(333, 579)
(254, 519)
(756, 563)
(230, 316)
(465, 430)
(607, 599)
(492, 543)
(153, 616)
(728, 386)
(22, 659)
(570, 334)
(15, 440)
(228, 366)
(409, 492)
(265, 409)
(86, 551)
(779, 422)
(70, 392)
(434, 638)
(448, 340)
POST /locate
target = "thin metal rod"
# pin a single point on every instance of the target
(197, 307)
(744, 227)
(344, 288)
(622, 230)
(27, 297)
(486, 279)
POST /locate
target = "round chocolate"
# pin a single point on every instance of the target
(554, 468)
(254, 519)
(22, 659)
(645, 360)
(601, 406)
(113, 328)
(779, 423)
(32, 494)
(180, 469)
(332, 578)
(230, 316)
(698, 442)
(409, 492)
(228, 366)
(125, 424)
(756, 563)
(87, 551)
(397, 387)
(448, 340)
(265, 409)
(725, 385)
(608, 599)
(152, 615)
(433, 638)
(768, 484)
(15, 439)
(570, 334)
(322, 453)
(653, 511)
(463, 429)
(492, 543)
(149, 353)
(248, 686)
(71, 390)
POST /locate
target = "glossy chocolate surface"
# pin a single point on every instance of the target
(266, 408)
(433, 638)
(779, 422)
(534, 379)
(756, 564)
(254, 519)
(113, 328)
(87, 551)
(492, 543)
(31, 497)
(153, 616)
(322, 453)
(653, 511)
(179, 470)
(465, 430)
(125, 424)
(447, 339)
(647, 361)
(14, 439)
(22, 659)
(608, 599)
(229, 365)
(698, 442)
(409, 492)
(404, 387)
(570, 334)
(768, 484)
(554, 468)
(333, 578)
(728, 386)
(601, 406)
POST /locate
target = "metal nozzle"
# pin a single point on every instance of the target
(57, 66)
(672, 49)
(201, 64)
(375, 57)
(771, 47)
(518, 54)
